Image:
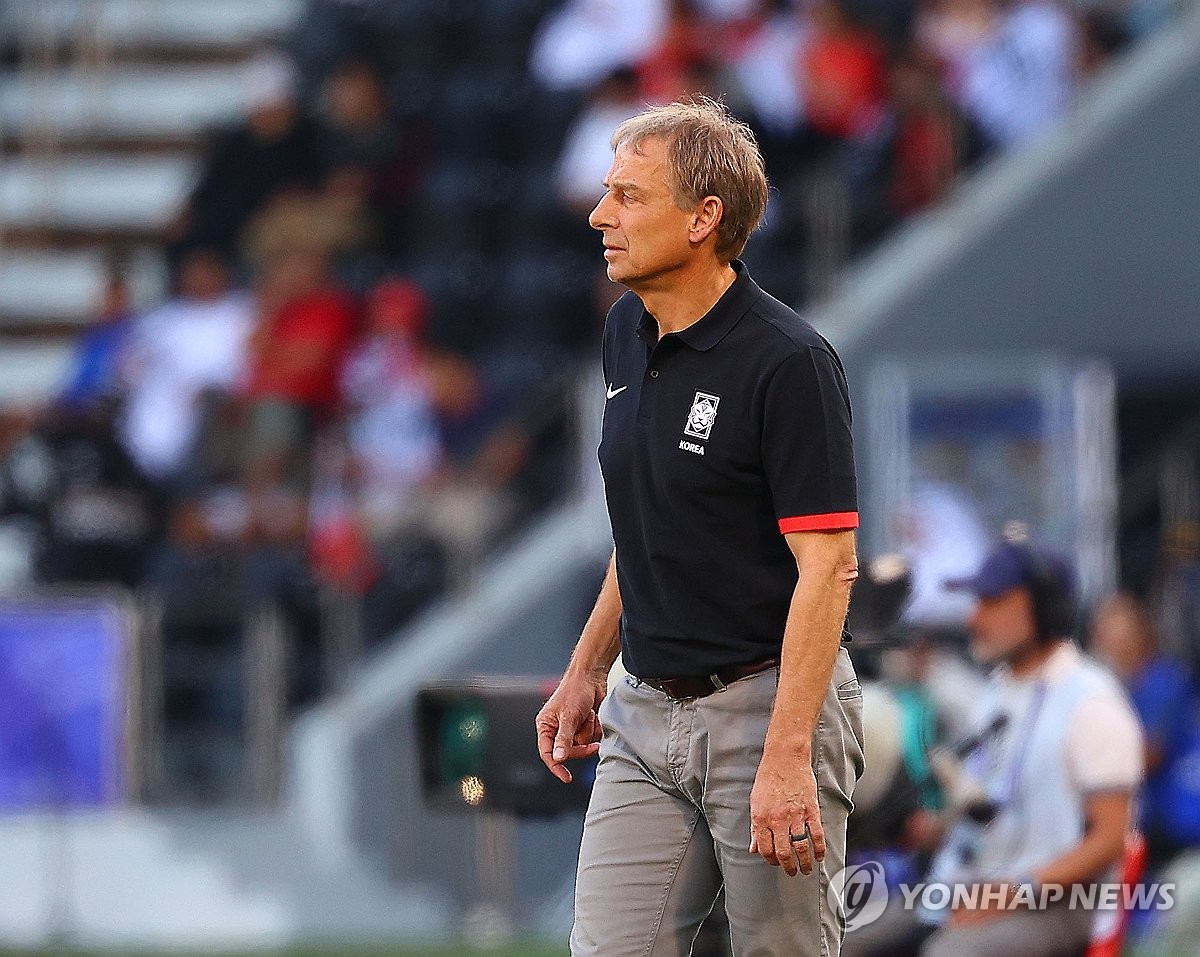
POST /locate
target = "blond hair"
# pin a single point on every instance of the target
(709, 153)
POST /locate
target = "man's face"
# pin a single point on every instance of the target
(646, 235)
(1003, 626)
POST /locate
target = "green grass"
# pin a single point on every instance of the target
(511, 950)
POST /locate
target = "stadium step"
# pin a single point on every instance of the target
(58, 286)
(123, 26)
(32, 372)
(130, 195)
(161, 104)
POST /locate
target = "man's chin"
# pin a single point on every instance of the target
(617, 274)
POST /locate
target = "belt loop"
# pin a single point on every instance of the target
(717, 682)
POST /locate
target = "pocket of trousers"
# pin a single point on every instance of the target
(848, 690)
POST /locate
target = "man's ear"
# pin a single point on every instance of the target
(706, 219)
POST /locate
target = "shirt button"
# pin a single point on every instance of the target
(653, 373)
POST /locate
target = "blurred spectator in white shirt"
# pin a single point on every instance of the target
(190, 345)
(766, 68)
(395, 445)
(1021, 78)
(587, 151)
(581, 44)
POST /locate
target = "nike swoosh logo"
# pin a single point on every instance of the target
(612, 391)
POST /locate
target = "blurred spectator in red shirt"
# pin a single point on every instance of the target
(305, 323)
(845, 79)
(924, 154)
(665, 73)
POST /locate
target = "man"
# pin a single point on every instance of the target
(1056, 780)
(177, 358)
(729, 755)
(1164, 697)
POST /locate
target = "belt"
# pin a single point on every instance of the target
(698, 686)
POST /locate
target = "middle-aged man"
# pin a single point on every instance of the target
(1056, 784)
(729, 754)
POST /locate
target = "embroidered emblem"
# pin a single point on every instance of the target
(704, 413)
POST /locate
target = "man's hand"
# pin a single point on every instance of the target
(567, 725)
(991, 902)
(783, 803)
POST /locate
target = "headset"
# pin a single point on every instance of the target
(1052, 594)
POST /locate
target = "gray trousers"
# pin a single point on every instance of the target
(1054, 932)
(669, 824)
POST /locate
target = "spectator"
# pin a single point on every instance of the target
(95, 377)
(190, 346)
(586, 40)
(305, 322)
(359, 132)
(1122, 636)
(924, 151)
(1022, 75)
(587, 152)
(766, 68)
(391, 424)
(687, 42)
(844, 70)
(274, 149)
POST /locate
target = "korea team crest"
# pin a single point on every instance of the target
(704, 413)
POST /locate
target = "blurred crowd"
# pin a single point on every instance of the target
(383, 286)
(867, 111)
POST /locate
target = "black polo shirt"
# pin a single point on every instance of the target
(716, 441)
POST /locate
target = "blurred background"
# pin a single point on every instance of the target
(300, 395)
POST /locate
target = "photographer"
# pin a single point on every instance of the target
(1057, 781)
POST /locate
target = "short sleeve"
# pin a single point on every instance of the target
(1104, 746)
(807, 448)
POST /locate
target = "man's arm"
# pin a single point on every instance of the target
(784, 799)
(1107, 817)
(567, 726)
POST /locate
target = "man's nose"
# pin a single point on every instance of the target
(601, 216)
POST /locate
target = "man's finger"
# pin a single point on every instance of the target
(564, 740)
(800, 841)
(816, 835)
(764, 845)
(589, 730)
(783, 850)
(546, 752)
(547, 725)
(577, 751)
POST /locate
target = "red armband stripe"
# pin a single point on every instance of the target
(828, 522)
